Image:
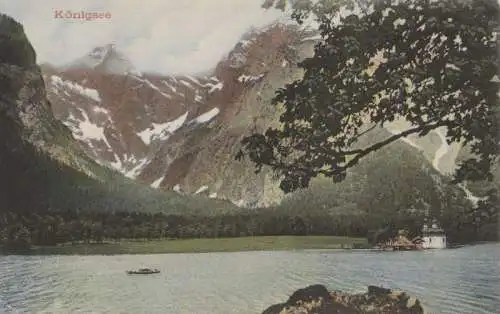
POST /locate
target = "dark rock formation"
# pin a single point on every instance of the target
(23, 101)
(15, 49)
(318, 300)
(21, 86)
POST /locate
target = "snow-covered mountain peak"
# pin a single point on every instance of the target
(107, 59)
(99, 53)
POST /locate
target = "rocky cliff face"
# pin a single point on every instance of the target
(202, 159)
(33, 141)
(181, 132)
(23, 99)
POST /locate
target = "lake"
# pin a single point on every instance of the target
(462, 280)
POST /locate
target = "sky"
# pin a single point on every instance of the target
(164, 36)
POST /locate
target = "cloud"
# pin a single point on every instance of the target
(167, 36)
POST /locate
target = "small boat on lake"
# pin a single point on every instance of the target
(143, 271)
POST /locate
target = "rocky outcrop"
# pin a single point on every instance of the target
(318, 300)
(23, 100)
(20, 78)
(34, 145)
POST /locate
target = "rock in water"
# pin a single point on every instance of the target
(316, 299)
(378, 291)
(309, 294)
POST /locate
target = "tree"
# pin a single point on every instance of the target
(431, 63)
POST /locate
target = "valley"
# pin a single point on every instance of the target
(106, 151)
(277, 156)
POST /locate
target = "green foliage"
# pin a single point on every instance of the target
(432, 63)
(389, 190)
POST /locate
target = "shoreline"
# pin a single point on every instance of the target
(212, 245)
(200, 245)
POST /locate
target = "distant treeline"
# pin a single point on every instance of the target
(20, 231)
(33, 182)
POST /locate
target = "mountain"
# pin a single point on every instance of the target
(43, 166)
(119, 117)
(181, 132)
(104, 59)
(158, 129)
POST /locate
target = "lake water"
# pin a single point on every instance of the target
(463, 280)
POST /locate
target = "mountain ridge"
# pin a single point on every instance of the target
(151, 135)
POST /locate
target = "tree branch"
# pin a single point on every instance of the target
(363, 152)
(363, 133)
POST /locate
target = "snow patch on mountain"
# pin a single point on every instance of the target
(177, 188)
(173, 88)
(194, 80)
(169, 86)
(245, 43)
(471, 197)
(85, 130)
(135, 171)
(185, 83)
(157, 182)
(442, 150)
(240, 203)
(162, 130)
(116, 163)
(198, 98)
(98, 109)
(249, 78)
(153, 86)
(201, 189)
(87, 92)
(215, 87)
(395, 130)
(207, 116)
(312, 38)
